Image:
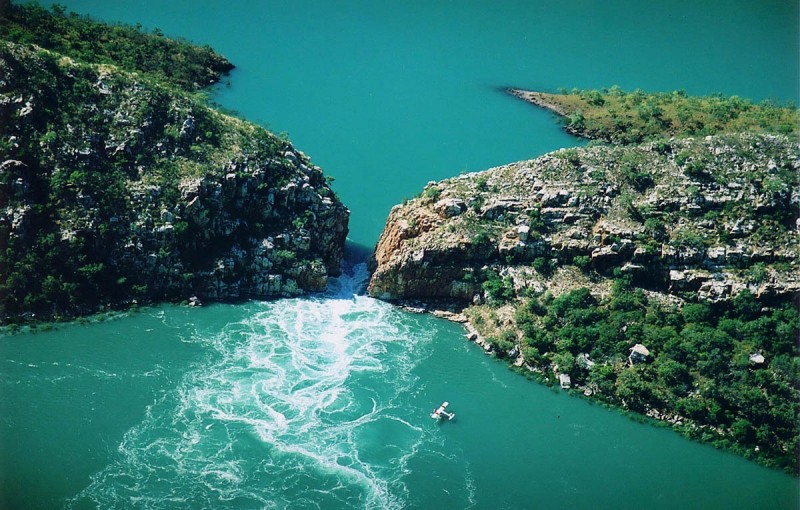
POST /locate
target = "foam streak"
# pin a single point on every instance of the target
(287, 408)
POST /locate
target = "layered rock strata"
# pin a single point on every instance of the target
(700, 216)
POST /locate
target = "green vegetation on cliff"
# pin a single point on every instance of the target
(686, 247)
(702, 374)
(168, 60)
(124, 186)
(632, 117)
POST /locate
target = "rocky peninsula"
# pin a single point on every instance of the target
(119, 183)
(657, 275)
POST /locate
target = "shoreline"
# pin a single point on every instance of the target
(681, 425)
(537, 99)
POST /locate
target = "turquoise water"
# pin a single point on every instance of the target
(386, 96)
(323, 402)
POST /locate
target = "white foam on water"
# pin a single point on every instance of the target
(290, 409)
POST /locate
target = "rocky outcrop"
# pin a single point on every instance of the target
(706, 217)
(114, 188)
(621, 271)
(226, 245)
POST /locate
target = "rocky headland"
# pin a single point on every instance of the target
(659, 276)
(682, 216)
(118, 186)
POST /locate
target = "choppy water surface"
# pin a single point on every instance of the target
(295, 405)
(324, 402)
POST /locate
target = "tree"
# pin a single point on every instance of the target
(603, 378)
(583, 262)
(633, 389)
(566, 363)
(674, 376)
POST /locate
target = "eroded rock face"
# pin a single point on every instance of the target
(707, 216)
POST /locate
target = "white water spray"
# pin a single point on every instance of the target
(295, 406)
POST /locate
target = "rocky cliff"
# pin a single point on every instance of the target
(115, 187)
(659, 277)
(707, 217)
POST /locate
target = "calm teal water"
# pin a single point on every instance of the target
(386, 96)
(324, 402)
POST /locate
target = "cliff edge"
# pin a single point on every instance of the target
(659, 277)
(699, 216)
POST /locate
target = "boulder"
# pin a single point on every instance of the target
(450, 207)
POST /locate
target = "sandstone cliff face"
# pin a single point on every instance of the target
(114, 188)
(707, 217)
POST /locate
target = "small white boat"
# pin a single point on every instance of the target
(440, 413)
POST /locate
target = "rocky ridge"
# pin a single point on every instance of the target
(707, 217)
(114, 187)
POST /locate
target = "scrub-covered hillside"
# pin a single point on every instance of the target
(660, 277)
(119, 185)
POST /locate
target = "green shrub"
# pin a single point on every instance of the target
(499, 290)
(543, 265)
(583, 262)
(432, 193)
